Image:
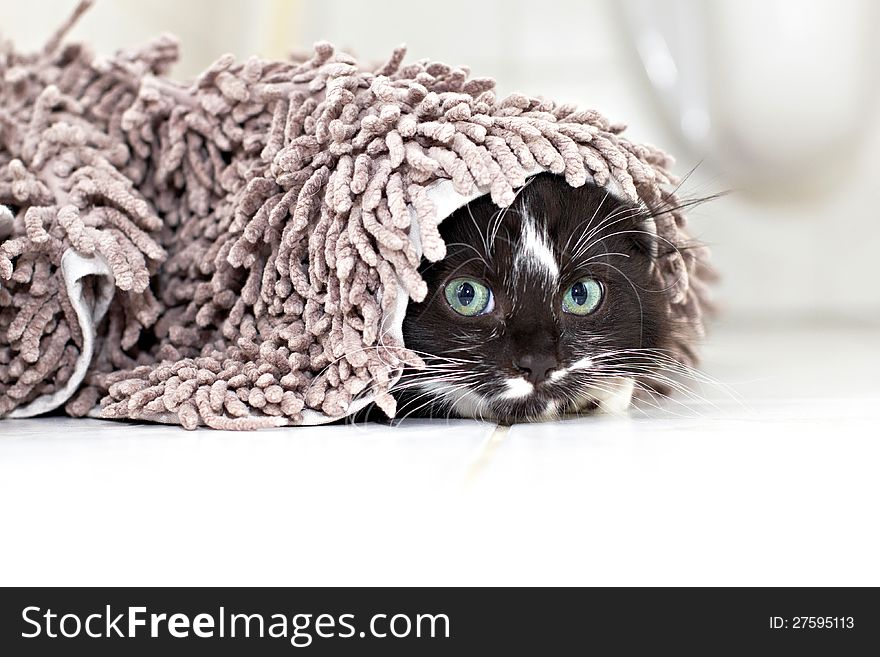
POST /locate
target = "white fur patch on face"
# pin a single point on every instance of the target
(534, 253)
(582, 364)
(517, 388)
(558, 375)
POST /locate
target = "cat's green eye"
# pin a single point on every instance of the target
(469, 297)
(583, 297)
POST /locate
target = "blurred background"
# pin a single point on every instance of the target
(775, 100)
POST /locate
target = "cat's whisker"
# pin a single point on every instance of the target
(589, 223)
(433, 357)
(586, 247)
(502, 214)
(622, 214)
(436, 396)
(661, 358)
(446, 368)
(380, 348)
(472, 248)
(632, 365)
(660, 403)
(616, 217)
(615, 376)
(483, 237)
(603, 255)
(653, 375)
(638, 298)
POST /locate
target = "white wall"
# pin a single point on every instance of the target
(808, 249)
(206, 28)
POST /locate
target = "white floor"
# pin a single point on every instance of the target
(769, 477)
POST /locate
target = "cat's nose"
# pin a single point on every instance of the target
(536, 367)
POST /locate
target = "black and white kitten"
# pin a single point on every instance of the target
(539, 310)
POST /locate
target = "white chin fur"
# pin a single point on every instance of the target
(614, 399)
(617, 396)
(517, 388)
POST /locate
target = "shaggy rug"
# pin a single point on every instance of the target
(238, 250)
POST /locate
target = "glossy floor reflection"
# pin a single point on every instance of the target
(768, 476)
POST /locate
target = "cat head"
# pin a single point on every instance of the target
(548, 307)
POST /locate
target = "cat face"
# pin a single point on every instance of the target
(546, 308)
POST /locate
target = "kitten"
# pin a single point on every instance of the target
(543, 309)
